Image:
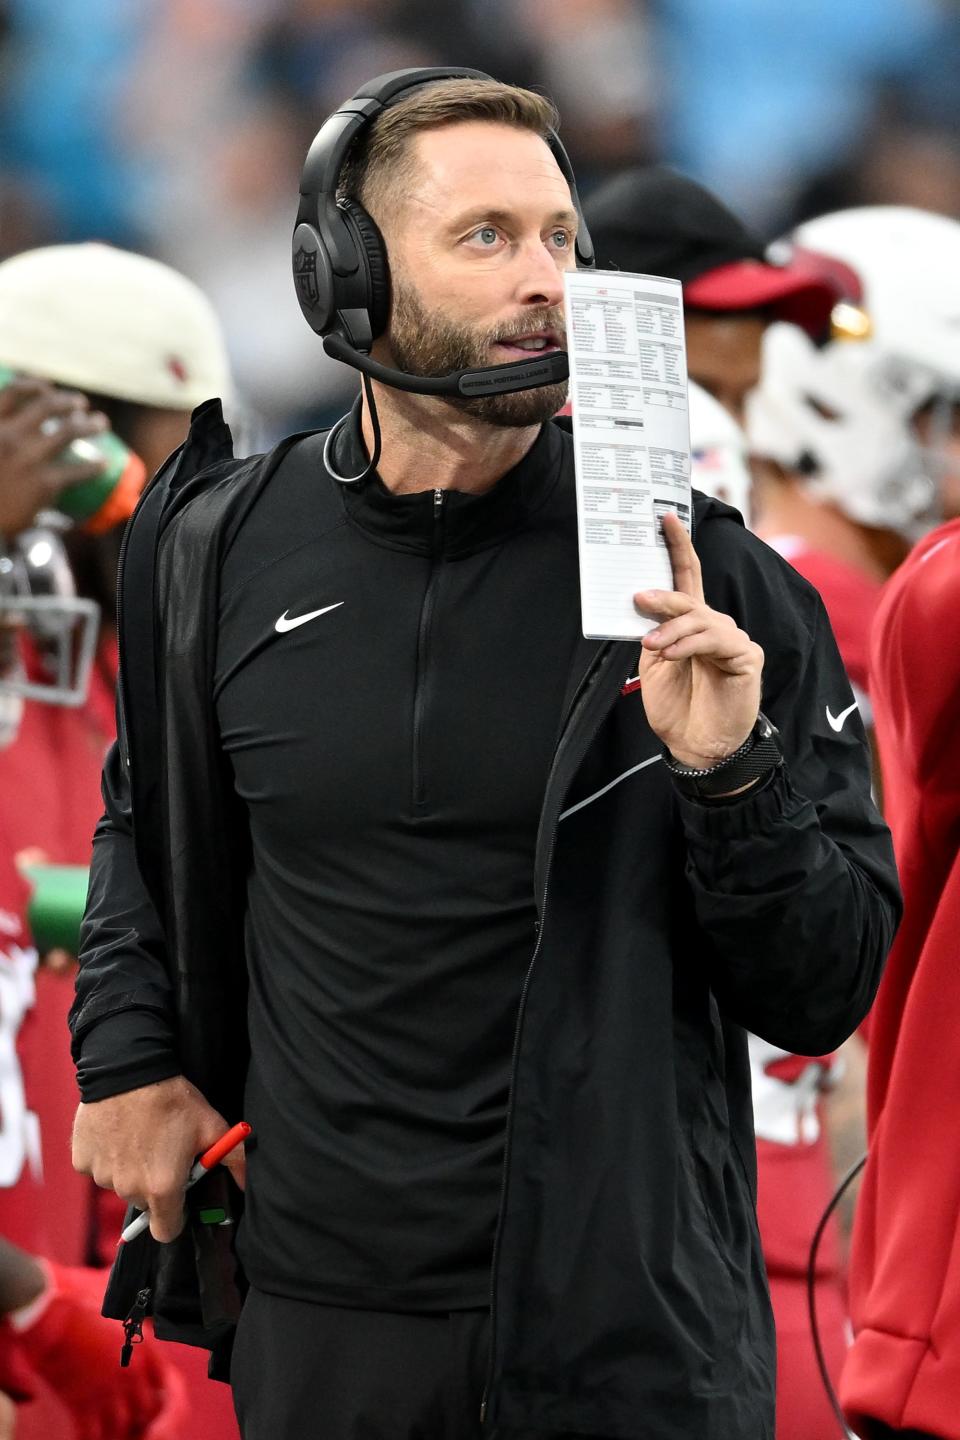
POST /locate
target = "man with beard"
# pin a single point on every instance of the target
(500, 1178)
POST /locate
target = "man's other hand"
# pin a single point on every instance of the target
(142, 1144)
(37, 423)
(700, 673)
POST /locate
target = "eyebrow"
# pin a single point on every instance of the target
(478, 214)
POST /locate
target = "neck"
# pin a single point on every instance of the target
(784, 509)
(426, 444)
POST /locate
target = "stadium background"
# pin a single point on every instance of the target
(177, 127)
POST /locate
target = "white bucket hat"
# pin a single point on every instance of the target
(114, 323)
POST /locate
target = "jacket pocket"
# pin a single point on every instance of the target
(194, 1286)
(133, 1270)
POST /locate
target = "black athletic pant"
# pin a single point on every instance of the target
(317, 1372)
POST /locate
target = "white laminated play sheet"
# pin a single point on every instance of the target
(631, 437)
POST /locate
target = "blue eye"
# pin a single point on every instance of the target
(561, 238)
(487, 235)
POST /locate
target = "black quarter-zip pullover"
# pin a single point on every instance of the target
(389, 681)
(629, 1280)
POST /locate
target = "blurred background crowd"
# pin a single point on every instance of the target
(178, 127)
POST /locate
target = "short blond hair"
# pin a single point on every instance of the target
(380, 161)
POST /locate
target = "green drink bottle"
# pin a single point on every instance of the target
(107, 499)
(56, 906)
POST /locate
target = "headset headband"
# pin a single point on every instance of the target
(339, 262)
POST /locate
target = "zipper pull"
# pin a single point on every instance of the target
(133, 1326)
(436, 544)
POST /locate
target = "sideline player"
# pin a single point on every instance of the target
(100, 338)
(901, 1379)
(52, 1336)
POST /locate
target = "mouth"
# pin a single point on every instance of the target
(537, 342)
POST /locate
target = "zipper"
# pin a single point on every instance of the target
(133, 1325)
(418, 785)
(590, 672)
(494, 1264)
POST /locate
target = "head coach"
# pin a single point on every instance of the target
(467, 915)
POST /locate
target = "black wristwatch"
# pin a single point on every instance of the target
(759, 754)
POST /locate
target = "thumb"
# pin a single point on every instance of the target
(215, 1127)
(236, 1163)
(662, 604)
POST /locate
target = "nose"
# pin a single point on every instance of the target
(541, 278)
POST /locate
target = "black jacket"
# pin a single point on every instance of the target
(628, 1288)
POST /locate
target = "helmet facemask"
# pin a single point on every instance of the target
(38, 598)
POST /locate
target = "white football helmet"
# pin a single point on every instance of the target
(842, 414)
(38, 595)
(718, 452)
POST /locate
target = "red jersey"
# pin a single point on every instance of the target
(50, 784)
(794, 1171)
(850, 597)
(904, 1367)
(796, 1179)
(21, 1166)
(50, 775)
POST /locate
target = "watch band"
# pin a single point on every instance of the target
(760, 753)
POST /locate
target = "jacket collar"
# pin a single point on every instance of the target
(462, 523)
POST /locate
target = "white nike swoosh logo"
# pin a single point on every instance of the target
(285, 623)
(836, 723)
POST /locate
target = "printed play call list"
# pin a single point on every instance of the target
(628, 385)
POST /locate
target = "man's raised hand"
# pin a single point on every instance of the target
(700, 673)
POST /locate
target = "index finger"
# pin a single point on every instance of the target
(17, 391)
(23, 391)
(687, 576)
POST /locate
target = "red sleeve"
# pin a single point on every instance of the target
(904, 1366)
(916, 660)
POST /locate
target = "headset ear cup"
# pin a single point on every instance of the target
(378, 271)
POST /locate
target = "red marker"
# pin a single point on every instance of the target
(218, 1150)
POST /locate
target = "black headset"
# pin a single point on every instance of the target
(340, 265)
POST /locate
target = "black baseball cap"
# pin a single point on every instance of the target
(658, 222)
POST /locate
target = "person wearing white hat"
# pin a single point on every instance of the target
(118, 327)
(136, 345)
(97, 339)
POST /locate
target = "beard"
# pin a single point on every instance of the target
(425, 342)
